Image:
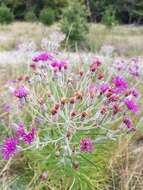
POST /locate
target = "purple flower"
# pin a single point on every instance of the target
(128, 122)
(120, 82)
(21, 92)
(27, 137)
(131, 105)
(58, 64)
(120, 64)
(135, 93)
(43, 57)
(20, 130)
(30, 136)
(104, 88)
(9, 148)
(86, 145)
(134, 67)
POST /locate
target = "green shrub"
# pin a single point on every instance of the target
(6, 16)
(109, 18)
(30, 16)
(74, 22)
(47, 16)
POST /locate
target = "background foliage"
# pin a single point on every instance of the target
(126, 11)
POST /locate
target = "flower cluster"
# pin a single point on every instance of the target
(10, 144)
(64, 100)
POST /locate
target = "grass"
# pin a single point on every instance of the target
(18, 32)
(127, 40)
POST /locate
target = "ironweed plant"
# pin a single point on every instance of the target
(60, 117)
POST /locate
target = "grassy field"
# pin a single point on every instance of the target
(127, 40)
(113, 165)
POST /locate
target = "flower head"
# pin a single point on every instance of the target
(120, 64)
(20, 130)
(30, 136)
(9, 147)
(27, 137)
(120, 82)
(43, 57)
(131, 105)
(128, 122)
(86, 145)
(135, 93)
(59, 65)
(134, 67)
(104, 87)
(21, 92)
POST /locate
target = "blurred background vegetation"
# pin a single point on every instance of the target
(125, 11)
(87, 24)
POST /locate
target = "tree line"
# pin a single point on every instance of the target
(124, 11)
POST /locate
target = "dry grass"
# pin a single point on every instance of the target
(126, 165)
(126, 39)
(10, 35)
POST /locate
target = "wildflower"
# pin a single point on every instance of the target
(9, 147)
(97, 62)
(120, 82)
(86, 145)
(73, 113)
(27, 137)
(95, 65)
(120, 64)
(91, 89)
(20, 78)
(113, 98)
(84, 114)
(72, 100)
(33, 66)
(131, 105)
(134, 70)
(81, 73)
(54, 111)
(41, 101)
(100, 76)
(59, 65)
(21, 92)
(104, 88)
(30, 136)
(43, 57)
(135, 93)
(79, 95)
(57, 106)
(128, 122)
(103, 110)
(116, 109)
(20, 130)
(64, 101)
(69, 134)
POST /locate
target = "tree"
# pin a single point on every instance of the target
(74, 22)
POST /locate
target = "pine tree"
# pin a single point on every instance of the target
(74, 22)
